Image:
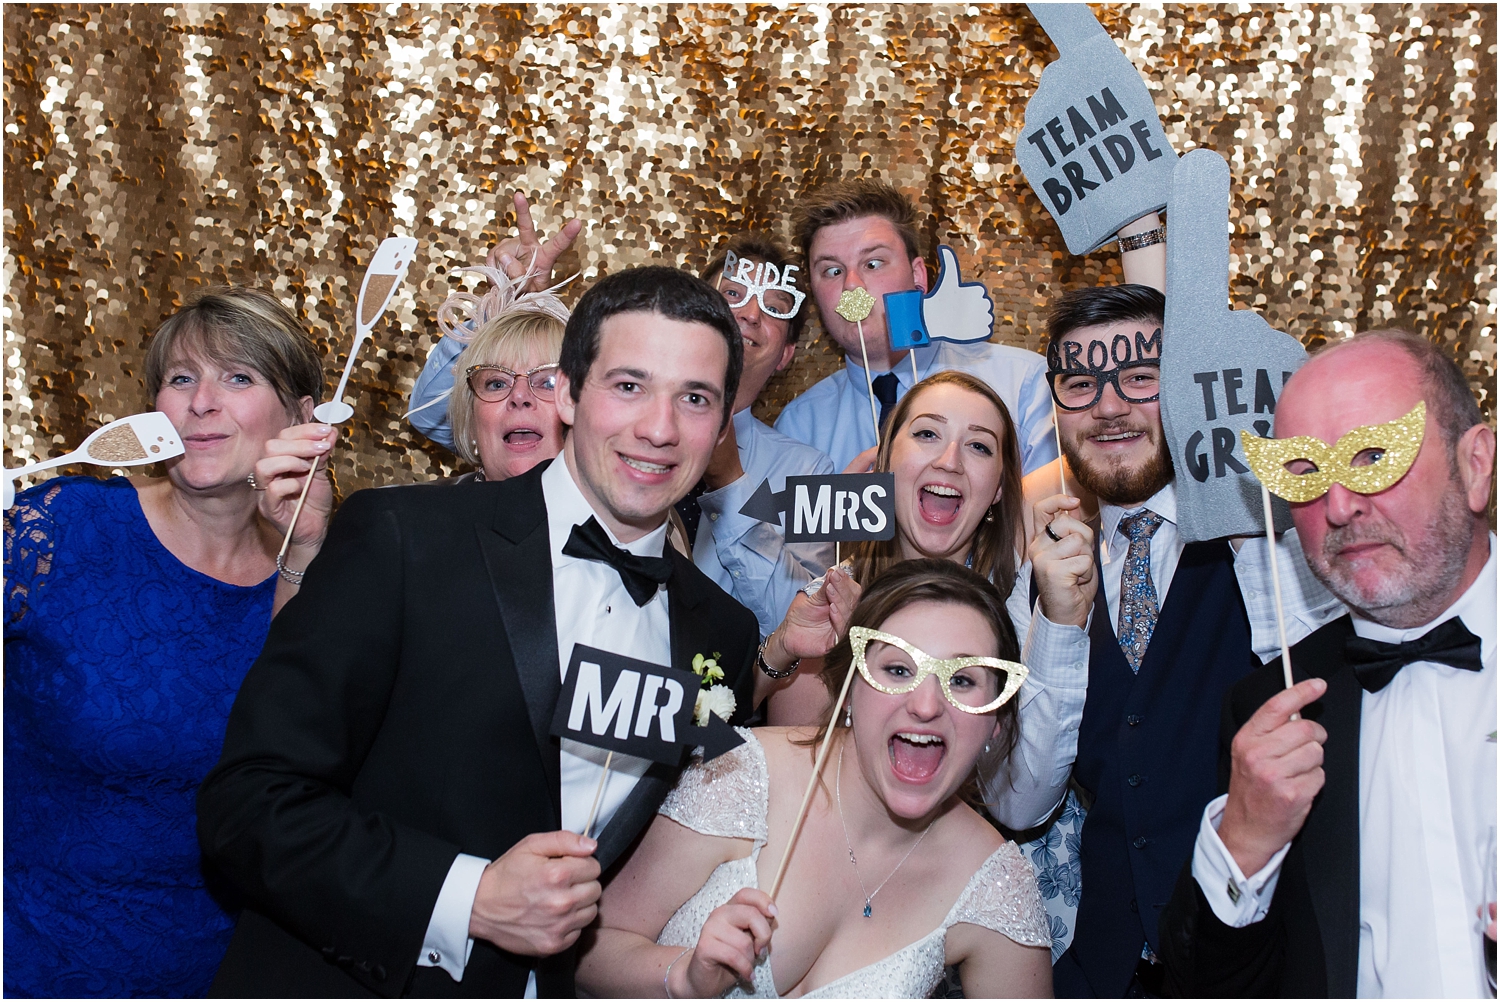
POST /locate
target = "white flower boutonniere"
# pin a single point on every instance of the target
(712, 698)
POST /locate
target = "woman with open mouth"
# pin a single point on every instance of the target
(894, 875)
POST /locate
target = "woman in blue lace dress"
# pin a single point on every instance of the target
(133, 608)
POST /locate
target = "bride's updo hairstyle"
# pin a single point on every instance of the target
(931, 580)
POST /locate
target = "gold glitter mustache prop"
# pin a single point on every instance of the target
(1398, 443)
(387, 269)
(855, 306)
(130, 441)
(943, 669)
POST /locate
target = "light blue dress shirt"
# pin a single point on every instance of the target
(746, 557)
(834, 415)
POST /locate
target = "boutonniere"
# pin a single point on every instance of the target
(712, 697)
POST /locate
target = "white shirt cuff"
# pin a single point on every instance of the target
(1056, 655)
(447, 943)
(1237, 900)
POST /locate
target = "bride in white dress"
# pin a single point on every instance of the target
(894, 875)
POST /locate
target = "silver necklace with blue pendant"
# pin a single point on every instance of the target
(839, 800)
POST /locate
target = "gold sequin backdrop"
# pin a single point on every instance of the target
(153, 150)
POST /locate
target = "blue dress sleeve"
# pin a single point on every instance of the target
(427, 410)
(30, 542)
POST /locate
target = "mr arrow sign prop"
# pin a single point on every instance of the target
(1092, 148)
(831, 507)
(635, 708)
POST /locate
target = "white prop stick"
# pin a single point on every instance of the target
(598, 795)
(1286, 652)
(812, 783)
(131, 441)
(911, 354)
(1062, 478)
(854, 306)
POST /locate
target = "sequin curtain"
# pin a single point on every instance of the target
(152, 150)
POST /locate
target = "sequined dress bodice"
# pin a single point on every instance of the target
(730, 798)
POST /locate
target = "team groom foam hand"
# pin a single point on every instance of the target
(1222, 370)
(1092, 148)
(954, 310)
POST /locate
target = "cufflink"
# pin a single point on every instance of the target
(433, 957)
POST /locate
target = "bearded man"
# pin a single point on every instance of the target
(1361, 801)
(1159, 630)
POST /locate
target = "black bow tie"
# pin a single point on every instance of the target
(1376, 663)
(641, 575)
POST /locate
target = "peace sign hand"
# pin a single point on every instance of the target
(514, 255)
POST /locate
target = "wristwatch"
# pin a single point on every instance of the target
(1139, 241)
(775, 673)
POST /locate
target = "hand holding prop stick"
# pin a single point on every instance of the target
(387, 269)
(131, 441)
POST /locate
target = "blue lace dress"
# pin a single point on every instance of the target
(121, 664)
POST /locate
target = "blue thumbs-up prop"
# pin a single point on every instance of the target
(1092, 147)
(954, 310)
(1222, 370)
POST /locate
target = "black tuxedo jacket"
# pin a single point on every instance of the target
(1307, 946)
(397, 716)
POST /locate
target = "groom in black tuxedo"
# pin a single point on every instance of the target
(389, 801)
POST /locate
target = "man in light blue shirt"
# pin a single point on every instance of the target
(746, 557)
(861, 233)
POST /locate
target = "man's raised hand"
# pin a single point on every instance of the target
(1277, 770)
(535, 899)
(514, 255)
(1064, 567)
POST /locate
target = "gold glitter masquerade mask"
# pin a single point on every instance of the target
(1394, 446)
(775, 289)
(967, 683)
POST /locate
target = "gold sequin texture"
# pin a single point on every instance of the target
(118, 445)
(1399, 442)
(151, 151)
(855, 305)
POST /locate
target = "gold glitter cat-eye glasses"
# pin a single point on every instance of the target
(493, 383)
(972, 684)
(1366, 460)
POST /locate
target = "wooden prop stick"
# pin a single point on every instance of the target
(812, 783)
(855, 306)
(598, 795)
(296, 514)
(1286, 652)
(911, 353)
(1062, 478)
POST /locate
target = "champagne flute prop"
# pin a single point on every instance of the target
(854, 306)
(131, 441)
(812, 782)
(387, 269)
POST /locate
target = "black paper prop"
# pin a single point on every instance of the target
(955, 310)
(833, 507)
(1222, 370)
(635, 708)
(1092, 148)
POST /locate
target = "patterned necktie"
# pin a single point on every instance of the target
(1138, 606)
(885, 388)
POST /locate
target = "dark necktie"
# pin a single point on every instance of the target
(1375, 663)
(641, 575)
(1138, 601)
(885, 391)
(692, 513)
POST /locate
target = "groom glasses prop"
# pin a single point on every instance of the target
(1078, 375)
(971, 684)
(774, 289)
(1366, 460)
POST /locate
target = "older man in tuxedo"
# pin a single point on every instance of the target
(389, 801)
(1347, 856)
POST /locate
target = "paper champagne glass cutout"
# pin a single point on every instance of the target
(954, 310)
(130, 441)
(1222, 370)
(387, 269)
(1092, 148)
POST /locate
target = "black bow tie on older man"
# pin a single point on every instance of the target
(640, 575)
(1375, 663)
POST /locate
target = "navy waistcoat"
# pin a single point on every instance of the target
(1148, 755)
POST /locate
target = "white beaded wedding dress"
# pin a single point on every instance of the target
(729, 797)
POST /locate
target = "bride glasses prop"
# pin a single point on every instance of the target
(774, 289)
(971, 684)
(1366, 460)
(130, 441)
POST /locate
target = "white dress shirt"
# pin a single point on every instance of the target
(1426, 811)
(833, 415)
(592, 608)
(1052, 697)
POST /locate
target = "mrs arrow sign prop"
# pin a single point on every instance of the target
(832, 507)
(635, 708)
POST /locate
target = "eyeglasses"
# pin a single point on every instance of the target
(493, 383)
(1080, 389)
(777, 303)
(973, 685)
